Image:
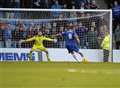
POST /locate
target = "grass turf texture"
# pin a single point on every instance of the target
(59, 75)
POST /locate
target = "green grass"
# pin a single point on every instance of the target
(59, 75)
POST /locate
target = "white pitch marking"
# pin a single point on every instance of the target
(72, 70)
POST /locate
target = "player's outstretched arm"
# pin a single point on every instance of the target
(56, 35)
(27, 40)
(21, 41)
(50, 39)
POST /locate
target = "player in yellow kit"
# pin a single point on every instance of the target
(106, 46)
(38, 44)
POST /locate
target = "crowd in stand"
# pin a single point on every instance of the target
(65, 4)
(89, 30)
(10, 3)
(57, 4)
(19, 30)
(115, 6)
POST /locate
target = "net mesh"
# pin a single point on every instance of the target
(17, 25)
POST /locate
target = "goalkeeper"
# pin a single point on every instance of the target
(106, 46)
(38, 44)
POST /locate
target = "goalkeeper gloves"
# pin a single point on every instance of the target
(55, 40)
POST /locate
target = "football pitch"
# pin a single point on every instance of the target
(59, 75)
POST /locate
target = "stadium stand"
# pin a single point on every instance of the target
(56, 4)
(88, 29)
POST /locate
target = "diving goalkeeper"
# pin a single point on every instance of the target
(38, 44)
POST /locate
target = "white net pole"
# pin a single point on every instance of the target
(111, 46)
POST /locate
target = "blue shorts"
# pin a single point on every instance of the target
(72, 48)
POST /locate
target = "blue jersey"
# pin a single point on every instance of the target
(70, 41)
(69, 37)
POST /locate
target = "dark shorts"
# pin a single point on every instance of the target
(106, 55)
(72, 48)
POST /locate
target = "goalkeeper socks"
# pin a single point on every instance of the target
(30, 55)
(81, 54)
(47, 57)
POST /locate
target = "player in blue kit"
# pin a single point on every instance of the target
(72, 41)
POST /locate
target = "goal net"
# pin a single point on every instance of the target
(17, 24)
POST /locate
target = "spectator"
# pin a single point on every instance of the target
(7, 35)
(1, 34)
(73, 16)
(82, 5)
(102, 30)
(16, 3)
(30, 30)
(81, 32)
(88, 4)
(39, 4)
(92, 38)
(1, 38)
(49, 27)
(116, 12)
(47, 32)
(65, 6)
(93, 5)
(37, 28)
(14, 38)
(20, 31)
(56, 14)
(73, 7)
(78, 3)
(82, 15)
(117, 37)
(36, 4)
(30, 33)
(61, 42)
(12, 28)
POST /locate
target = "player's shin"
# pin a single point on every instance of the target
(81, 54)
(30, 55)
(83, 58)
(47, 55)
(75, 57)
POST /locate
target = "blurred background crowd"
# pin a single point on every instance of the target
(90, 32)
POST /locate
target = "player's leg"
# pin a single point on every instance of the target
(72, 53)
(70, 49)
(76, 49)
(106, 55)
(80, 54)
(46, 51)
(83, 58)
(47, 55)
(30, 53)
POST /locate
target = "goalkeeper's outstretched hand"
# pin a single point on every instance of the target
(21, 41)
(55, 40)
